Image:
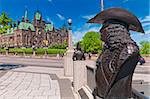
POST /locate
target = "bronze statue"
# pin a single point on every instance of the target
(119, 57)
(79, 53)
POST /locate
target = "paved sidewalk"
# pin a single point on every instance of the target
(141, 78)
(23, 85)
(142, 72)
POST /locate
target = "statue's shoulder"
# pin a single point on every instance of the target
(132, 48)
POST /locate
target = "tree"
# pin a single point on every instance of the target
(145, 47)
(4, 20)
(91, 42)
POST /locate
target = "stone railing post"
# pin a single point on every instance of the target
(68, 63)
(79, 75)
(7, 51)
(33, 51)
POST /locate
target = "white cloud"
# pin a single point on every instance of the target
(49, 0)
(147, 31)
(88, 16)
(146, 19)
(146, 24)
(78, 34)
(60, 16)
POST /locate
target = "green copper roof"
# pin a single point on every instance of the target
(49, 27)
(15, 28)
(26, 26)
(37, 16)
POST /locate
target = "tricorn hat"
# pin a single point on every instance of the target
(118, 14)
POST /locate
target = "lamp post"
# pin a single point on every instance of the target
(68, 63)
(70, 46)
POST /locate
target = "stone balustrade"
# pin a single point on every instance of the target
(83, 78)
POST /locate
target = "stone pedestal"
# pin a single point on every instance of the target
(24, 54)
(79, 75)
(68, 63)
(6, 53)
(33, 53)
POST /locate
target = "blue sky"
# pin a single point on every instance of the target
(58, 11)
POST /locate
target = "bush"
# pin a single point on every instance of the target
(28, 50)
(56, 51)
(145, 47)
(2, 50)
(15, 50)
(40, 51)
(58, 46)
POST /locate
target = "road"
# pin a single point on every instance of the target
(32, 61)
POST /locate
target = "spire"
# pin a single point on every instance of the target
(26, 15)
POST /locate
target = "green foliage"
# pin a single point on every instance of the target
(145, 47)
(16, 50)
(2, 50)
(91, 42)
(4, 20)
(59, 46)
(39, 51)
(56, 51)
(28, 50)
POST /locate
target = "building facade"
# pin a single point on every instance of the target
(37, 33)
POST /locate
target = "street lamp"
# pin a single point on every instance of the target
(70, 34)
(68, 62)
(70, 22)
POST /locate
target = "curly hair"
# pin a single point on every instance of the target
(117, 36)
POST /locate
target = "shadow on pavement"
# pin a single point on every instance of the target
(10, 66)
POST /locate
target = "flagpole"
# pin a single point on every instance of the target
(102, 8)
(102, 5)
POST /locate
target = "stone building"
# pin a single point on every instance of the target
(37, 33)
